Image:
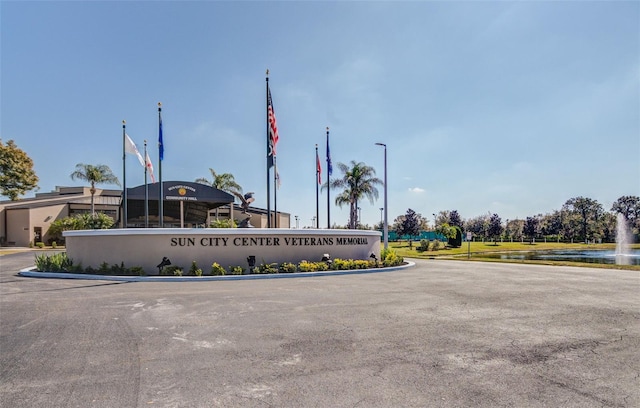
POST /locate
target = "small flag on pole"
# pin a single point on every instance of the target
(329, 165)
(318, 167)
(131, 147)
(150, 168)
(273, 129)
(277, 177)
(160, 143)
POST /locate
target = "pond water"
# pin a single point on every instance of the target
(595, 256)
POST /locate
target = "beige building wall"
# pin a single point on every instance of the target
(19, 229)
(43, 217)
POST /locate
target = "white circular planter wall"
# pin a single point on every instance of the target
(226, 246)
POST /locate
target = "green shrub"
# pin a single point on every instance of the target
(223, 224)
(97, 221)
(390, 258)
(217, 269)
(236, 270)
(54, 244)
(172, 270)
(40, 245)
(305, 266)
(76, 268)
(456, 242)
(435, 245)
(137, 270)
(53, 263)
(194, 270)
(322, 266)
(423, 246)
(342, 264)
(361, 264)
(104, 268)
(266, 268)
(30, 244)
(115, 269)
(287, 267)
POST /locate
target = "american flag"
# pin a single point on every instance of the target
(273, 128)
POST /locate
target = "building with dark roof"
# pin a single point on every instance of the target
(185, 204)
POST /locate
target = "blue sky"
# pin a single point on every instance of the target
(501, 107)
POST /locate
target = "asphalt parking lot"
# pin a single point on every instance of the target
(440, 334)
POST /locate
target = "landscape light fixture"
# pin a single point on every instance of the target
(165, 262)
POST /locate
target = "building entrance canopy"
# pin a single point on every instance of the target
(183, 203)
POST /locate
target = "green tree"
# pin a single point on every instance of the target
(446, 230)
(455, 220)
(396, 226)
(494, 229)
(478, 225)
(552, 224)
(100, 174)
(588, 213)
(358, 181)
(410, 225)
(513, 229)
(530, 228)
(16, 171)
(629, 206)
(225, 182)
(455, 241)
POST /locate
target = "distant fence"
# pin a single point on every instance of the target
(428, 235)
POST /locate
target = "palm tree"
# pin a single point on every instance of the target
(94, 175)
(225, 182)
(357, 182)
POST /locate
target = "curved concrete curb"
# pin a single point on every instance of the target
(29, 273)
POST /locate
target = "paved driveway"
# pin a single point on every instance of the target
(441, 334)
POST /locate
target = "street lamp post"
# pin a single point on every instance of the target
(297, 225)
(386, 207)
(381, 215)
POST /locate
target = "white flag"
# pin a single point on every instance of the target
(130, 147)
(150, 168)
(278, 182)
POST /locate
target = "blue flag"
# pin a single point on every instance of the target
(329, 166)
(160, 144)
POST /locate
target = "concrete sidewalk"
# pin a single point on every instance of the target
(440, 334)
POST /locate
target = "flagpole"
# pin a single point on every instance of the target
(318, 181)
(328, 183)
(124, 175)
(146, 188)
(268, 159)
(160, 157)
(275, 192)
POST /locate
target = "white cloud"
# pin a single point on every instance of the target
(417, 190)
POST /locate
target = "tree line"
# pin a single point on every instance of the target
(581, 219)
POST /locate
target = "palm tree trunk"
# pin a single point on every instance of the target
(352, 215)
(92, 190)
